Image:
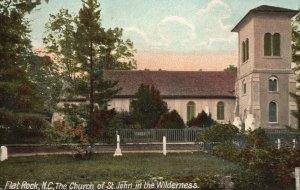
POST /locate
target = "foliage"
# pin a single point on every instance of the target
(258, 138)
(148, 106)
(266, 167)
(170, 120)
(227, 151)
(202, 120)
(296, 44)
(231, 68)
(45, 74)
(22, 108)
(219, 133)
(296, 113)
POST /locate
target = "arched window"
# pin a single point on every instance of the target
(247, 50)
(243, 52)
(191, 107)
(220, 111)
(244, 87)
(273, 84)
(267, 44)
(272, 112)
(276, 44)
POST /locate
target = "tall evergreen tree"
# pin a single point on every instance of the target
(148, 106)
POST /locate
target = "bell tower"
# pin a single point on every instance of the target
(265, 77)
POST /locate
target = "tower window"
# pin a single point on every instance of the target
(272, 44)
(244, 87)
(276, 44)
(220, 111)
(267, 44)
(273, 83)
(191, 107)
(245, 50)
(272, 112)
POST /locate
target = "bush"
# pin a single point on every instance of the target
(227, 151)
(219, 133)
(170, 120)
(202, 120)
(266, 167)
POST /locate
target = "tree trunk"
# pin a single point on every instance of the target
(91, 108)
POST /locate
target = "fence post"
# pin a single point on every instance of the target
(278, 144)
(297, 178)
(118, 150)
(164, 145)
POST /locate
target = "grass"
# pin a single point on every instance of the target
(104, 167)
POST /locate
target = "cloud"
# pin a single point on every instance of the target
(214, 32)
(203, 29)
(175, 23)
(143, 35)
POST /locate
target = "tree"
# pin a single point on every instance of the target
(60, 41)
(148, 106)
(85, 48)
(231, 68)
(202, 120)
(21, 107)
(170, 120)
(296, 60)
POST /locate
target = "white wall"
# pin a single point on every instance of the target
(180, 105)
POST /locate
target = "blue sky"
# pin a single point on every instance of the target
(166, 25)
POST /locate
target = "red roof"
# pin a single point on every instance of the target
(176, 84)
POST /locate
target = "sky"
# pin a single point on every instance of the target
(169, 34)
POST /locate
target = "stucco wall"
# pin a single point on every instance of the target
(180, 105)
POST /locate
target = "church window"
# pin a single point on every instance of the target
(272, 112)
(247, 50)
(267, 44)
(220, 111)
(191, 107)
(272, 44)
(244, 52)
(273, 84)
(244, 87)
(276, 44)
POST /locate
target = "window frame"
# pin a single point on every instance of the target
(273, 78)
(276, 112)
(273, 45)
(220, 111)
(244, 87)
(190, 110)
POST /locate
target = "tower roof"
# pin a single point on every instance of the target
(266, 9)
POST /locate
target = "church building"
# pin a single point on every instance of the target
(256, 95)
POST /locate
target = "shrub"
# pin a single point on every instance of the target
(202, 120)
(227, 151)
(266, 167)
(219, 133)
(258, 138)
(170, 120)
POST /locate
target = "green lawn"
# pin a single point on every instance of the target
(105, 167)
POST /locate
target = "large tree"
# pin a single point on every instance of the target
(21, 107)
(85, 49)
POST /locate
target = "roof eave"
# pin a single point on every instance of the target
(291, 14)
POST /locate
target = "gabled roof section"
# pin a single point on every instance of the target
(176, 84)
(266, 9)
